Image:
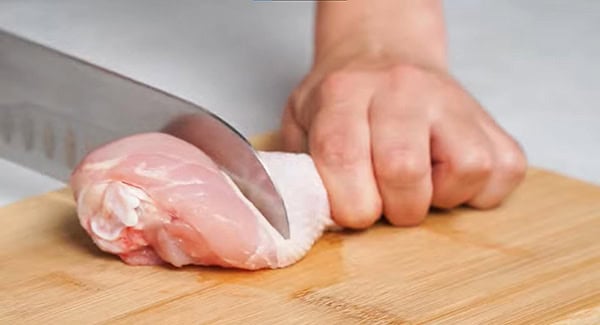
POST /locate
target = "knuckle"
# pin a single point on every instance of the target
(486, 202)
(337, 84)
(358, 216)
(407, 219)
(512, 166)
(336, 151)
(476, 162)
(357, 220)
(401, 167)
(450, 197)
(446, 203)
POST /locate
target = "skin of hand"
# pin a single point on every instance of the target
(390, 130)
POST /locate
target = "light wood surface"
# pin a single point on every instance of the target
(534, 260)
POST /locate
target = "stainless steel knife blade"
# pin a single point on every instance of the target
(55, 108)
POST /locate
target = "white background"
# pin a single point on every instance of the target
(533, 64)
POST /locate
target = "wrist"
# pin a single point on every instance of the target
(412, 31)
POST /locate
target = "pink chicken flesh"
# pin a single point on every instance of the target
(153, 198)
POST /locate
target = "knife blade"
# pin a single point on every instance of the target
(55, 109)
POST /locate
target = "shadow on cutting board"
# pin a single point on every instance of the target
(76, 237)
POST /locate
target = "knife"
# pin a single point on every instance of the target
(55, 109)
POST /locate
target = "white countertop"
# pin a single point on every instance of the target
(533, 64)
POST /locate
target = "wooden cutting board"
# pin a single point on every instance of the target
(536, 260)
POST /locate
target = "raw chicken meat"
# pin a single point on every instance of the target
(153, 198)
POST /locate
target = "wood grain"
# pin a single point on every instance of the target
(534, 260)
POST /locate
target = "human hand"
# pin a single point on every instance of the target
(392, 137)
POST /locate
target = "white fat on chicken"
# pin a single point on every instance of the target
(123, 206)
